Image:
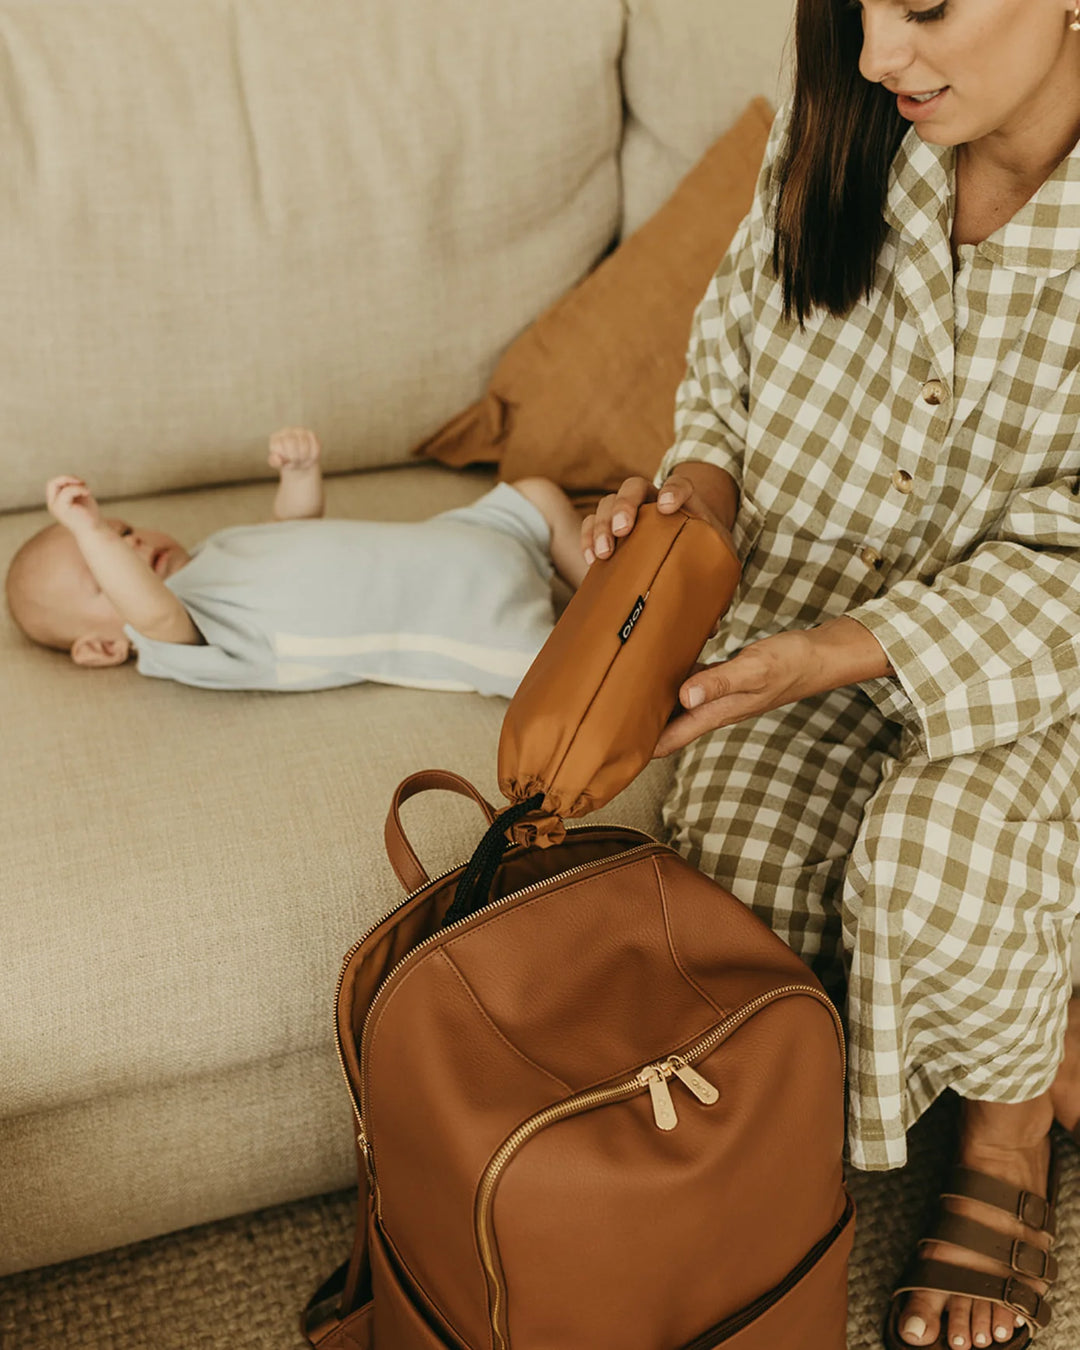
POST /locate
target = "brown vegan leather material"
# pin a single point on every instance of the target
(523, 1196)
(407, 866)
(590, 709)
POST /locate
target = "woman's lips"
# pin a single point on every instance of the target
(915, 111)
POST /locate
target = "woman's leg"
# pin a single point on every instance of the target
(959, 902)
(771, 808)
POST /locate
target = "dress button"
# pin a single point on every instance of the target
(871, 557)
(933, 391)
(901, 480)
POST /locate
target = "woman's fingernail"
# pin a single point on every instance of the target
(695, 696)
(665, 499)
(914, 1326)
(590, 556)
(620, 522)
(603, 547)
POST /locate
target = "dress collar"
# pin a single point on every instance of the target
(1041, 239)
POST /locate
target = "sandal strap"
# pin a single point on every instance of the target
(944, 1278)
(1025, 1258)
(1035, 1211)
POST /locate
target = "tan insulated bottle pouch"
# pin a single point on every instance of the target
(586, 717)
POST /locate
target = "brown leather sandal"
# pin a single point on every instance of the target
(1023, 1260)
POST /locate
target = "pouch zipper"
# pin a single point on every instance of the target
(626, 1088)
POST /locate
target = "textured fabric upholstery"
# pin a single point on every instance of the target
(218, 217)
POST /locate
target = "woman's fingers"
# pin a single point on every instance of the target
(615, 517)
(675, 493)
(766, 674)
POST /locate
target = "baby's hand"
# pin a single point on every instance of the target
(294, 448)
(72, 503)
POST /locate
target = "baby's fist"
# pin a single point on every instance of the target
(294, 448)
(72, 503)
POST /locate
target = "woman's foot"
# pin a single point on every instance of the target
(1011, 1143)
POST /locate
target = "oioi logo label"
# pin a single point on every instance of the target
(632, 618)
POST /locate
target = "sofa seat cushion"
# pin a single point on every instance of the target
(187, 867)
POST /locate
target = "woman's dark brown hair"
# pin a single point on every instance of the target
(833, 170)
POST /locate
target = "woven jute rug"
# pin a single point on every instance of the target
(241, 1283)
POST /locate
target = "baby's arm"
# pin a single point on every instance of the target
(295, 451)
(141, 598)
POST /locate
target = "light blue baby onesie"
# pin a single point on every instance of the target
(461, 601)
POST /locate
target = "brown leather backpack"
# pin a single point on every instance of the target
(598, 1103)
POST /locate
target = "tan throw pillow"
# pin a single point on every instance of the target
(586, 395)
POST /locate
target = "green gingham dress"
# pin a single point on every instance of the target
(915, 465)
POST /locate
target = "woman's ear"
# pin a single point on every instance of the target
(100, 651)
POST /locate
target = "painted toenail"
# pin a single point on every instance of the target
(982, 1339)
(1002, 1333)
(958, 1340)
(914, 1326)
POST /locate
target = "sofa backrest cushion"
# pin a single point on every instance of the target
(221, 216)
(689, 67)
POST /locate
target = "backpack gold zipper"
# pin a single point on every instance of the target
(586, 1101)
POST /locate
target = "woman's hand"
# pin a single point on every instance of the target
(700, 489)
(771, 673)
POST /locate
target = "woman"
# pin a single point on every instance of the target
(882, 411)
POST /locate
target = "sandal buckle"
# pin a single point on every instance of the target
(1027, 1259)
(1021, 1298)
(1032, 1209)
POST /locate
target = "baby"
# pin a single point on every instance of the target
(461, 601)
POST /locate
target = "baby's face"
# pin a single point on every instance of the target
(64, 587)
(162, 553)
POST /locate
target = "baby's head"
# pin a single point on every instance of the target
(53, 597)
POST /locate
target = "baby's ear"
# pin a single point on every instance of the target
(100, 651)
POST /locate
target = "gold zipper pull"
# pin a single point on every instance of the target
(655, 1079)
(702, 1089)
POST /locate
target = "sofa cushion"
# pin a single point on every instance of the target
(223, 216)
(586, 395)
(187, 867)
(688, 68)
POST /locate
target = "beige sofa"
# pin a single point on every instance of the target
(218, 217)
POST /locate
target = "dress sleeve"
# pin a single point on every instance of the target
(989, 650)
(712, 400)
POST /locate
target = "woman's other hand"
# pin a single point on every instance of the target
(700, 489)
(772, 672)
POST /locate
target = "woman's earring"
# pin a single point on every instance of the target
(1075, 25)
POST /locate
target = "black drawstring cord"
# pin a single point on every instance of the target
(474, 884)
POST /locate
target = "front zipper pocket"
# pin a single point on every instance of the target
(823, 1267)
(653, 1078)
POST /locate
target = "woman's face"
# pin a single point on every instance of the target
(1003, 64)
